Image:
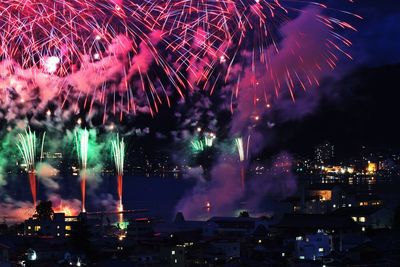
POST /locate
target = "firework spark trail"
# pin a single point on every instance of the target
(211, 36)
(82, 147)
(63, 37)
(27, 147)
(195, 44)
(118, 153)
(240, 148)
(33, 30)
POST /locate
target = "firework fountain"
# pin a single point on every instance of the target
(243, 151)
(200, 144)
(197, 145)
(209, 139)
(118, 152)
(82, 146)
(27, 147)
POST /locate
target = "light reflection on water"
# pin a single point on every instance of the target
(161, 193)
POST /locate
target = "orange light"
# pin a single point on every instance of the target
(371, 168)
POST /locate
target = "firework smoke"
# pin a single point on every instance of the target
(253, 103)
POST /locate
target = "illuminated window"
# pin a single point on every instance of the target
(37, 228)
(363, 229)
(321, 250)
(354, 218)
(176, 260)
(173, 252)
(302, 257)
(361, 219)
(68, 227)
(58, 227)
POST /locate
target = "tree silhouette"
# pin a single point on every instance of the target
(44, 210)
(244, 214)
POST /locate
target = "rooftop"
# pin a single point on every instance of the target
(315, 221)
(357, 211)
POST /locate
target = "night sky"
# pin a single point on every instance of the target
(362, 107)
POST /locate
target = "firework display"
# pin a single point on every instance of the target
(209, 37)
(243, 153)
(118, 153)
(65, 38)
(56, 35)
(27, 148)
(114, 64)
(135, 53)
(82, 147)
(197, 145)
(209, 139)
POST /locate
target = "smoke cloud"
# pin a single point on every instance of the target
(304, 37)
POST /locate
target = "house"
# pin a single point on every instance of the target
(233, 226)
(374, 217)
(58, 226)
(296, 223)
(177, 256)
(181, 230)
(313, 246)
(4, 252)
(342, 197)
(310, 204)
(4, 256)
(139, 227)
(368, 200)
(224, 250)
(352, 240)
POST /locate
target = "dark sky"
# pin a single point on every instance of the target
(365, 112)
(362, 107)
